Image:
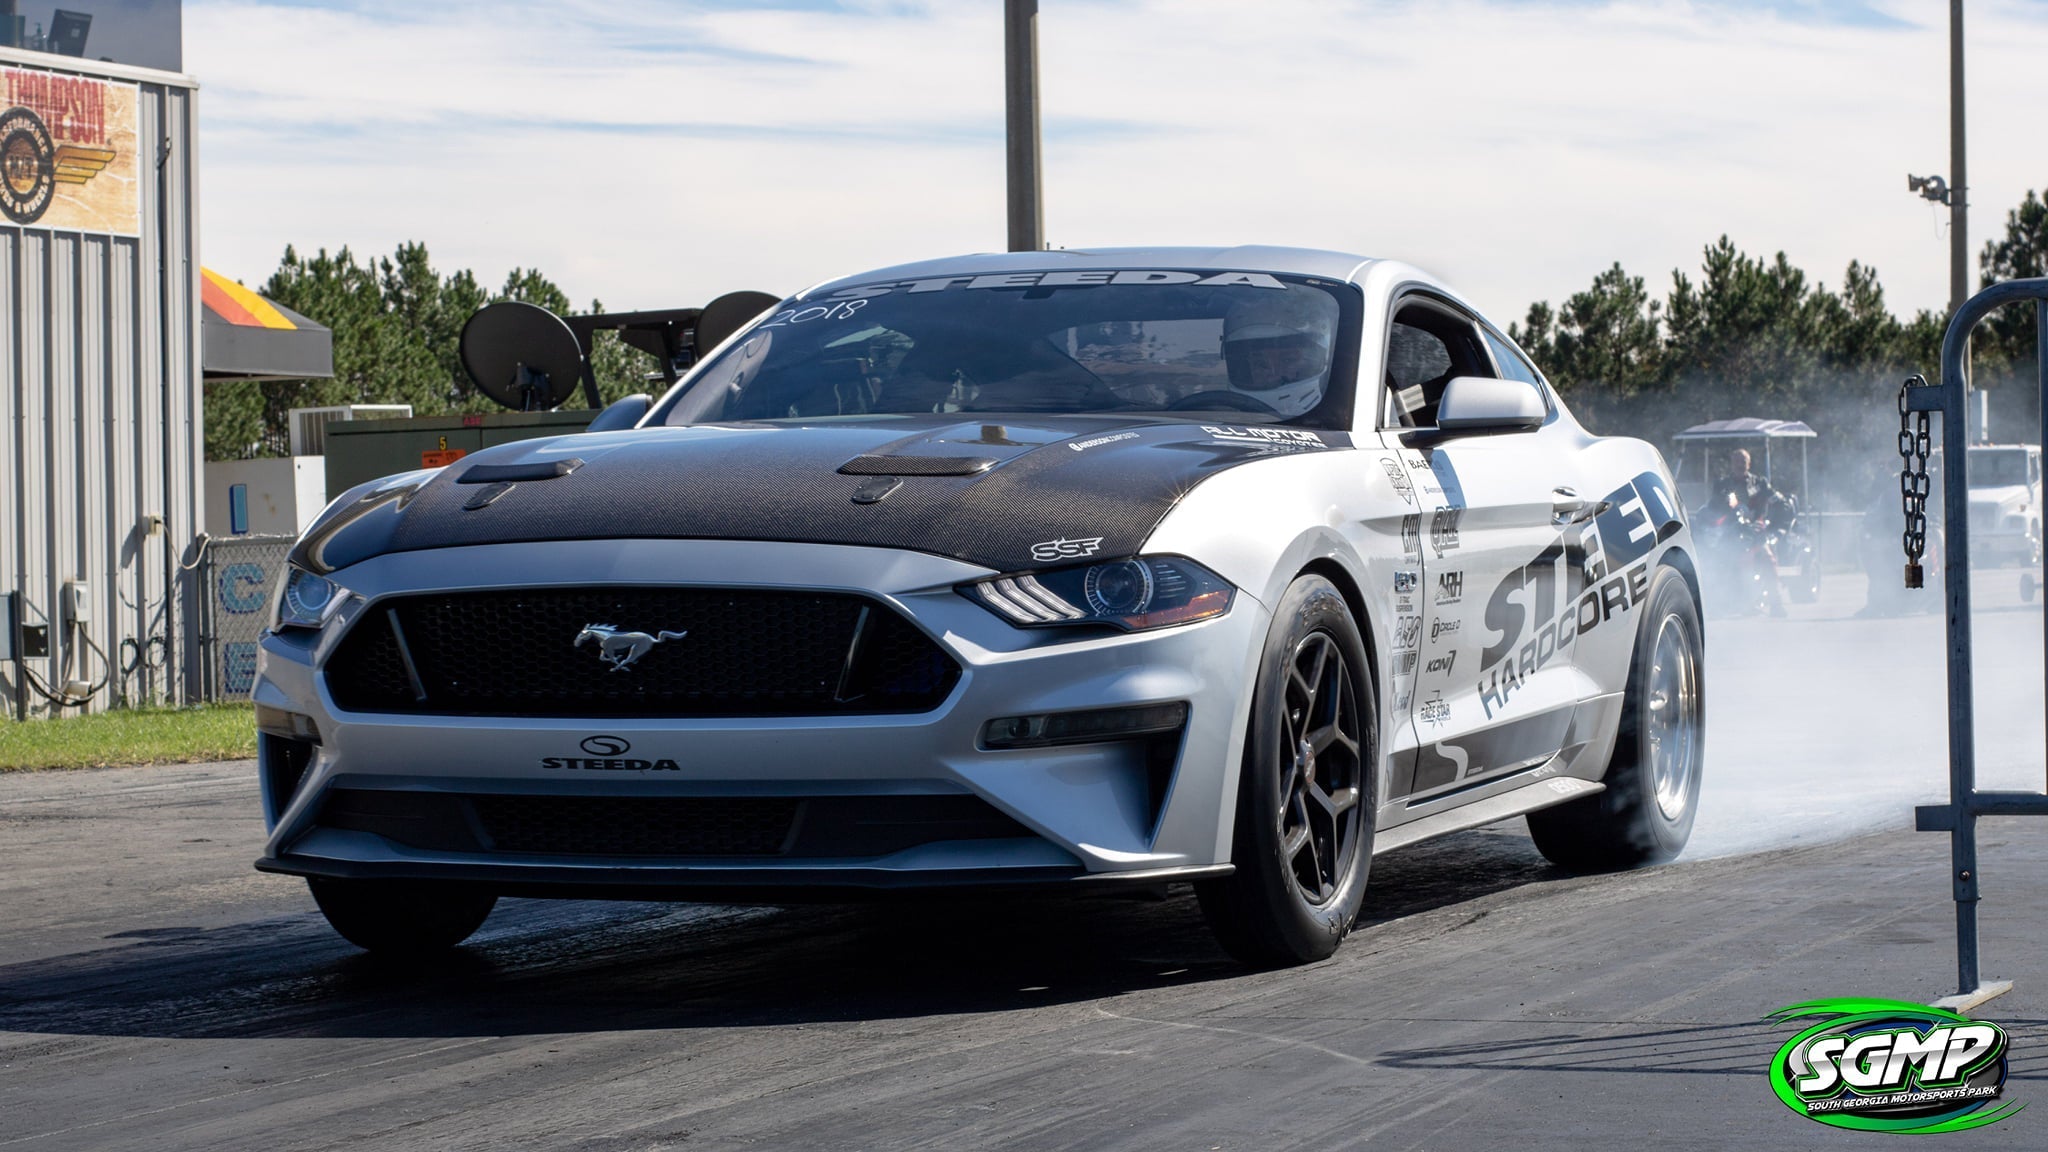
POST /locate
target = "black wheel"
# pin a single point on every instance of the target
(1653, 776)
(1307, 789)
(401, 917)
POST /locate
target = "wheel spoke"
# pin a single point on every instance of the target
(1315, 678)
(1343, 800)
(1322, 739)
(1291, 846)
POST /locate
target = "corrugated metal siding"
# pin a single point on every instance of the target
(100, 429)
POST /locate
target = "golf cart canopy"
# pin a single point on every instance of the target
(1746, 428)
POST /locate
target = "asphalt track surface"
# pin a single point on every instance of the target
(157, 993)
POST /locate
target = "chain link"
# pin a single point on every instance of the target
(1915, 444)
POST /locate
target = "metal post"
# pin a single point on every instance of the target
(1020, 86)
(1962, 719)
(1958, 179)
(1959, 816)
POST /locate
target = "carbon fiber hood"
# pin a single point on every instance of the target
(1010, 496)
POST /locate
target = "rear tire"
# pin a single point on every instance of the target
(1307, 789)
(401, 917)
(1653, 776)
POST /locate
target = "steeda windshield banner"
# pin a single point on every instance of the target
(1891, 1066)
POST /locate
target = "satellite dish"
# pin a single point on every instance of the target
(521, 355)
(727, 315)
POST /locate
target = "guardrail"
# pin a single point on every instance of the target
(1966, 803)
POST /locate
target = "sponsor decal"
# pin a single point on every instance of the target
(1267, 437)
(1404, 664)
(1440, 626)
(1065, 548)
(619, 649)
(1891, 1066)
(606, 745)
(68, 152)
(1411, 535)
(1443, 663)
(1407, 633)
(1435, 711)
(607, 764)
(1450, 587)
(1399, 479)
(1443, 530)
(1099, 441)
(1404, 582)
(1065, 279)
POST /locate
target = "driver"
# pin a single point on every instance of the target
(1753, 494)
(1277, 348)
(1747, 490)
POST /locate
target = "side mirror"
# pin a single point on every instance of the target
(1483, 404)
(624, 412)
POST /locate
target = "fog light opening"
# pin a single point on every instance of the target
(1093, 726)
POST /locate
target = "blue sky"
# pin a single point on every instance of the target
(657, 153)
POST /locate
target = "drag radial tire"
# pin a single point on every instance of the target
(1306, 791)
(401, 917)
(1653, 776)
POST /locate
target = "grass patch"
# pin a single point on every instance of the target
(130, 736)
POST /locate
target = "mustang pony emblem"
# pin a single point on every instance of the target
(622, 649)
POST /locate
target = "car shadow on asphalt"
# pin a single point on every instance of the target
(541, 967)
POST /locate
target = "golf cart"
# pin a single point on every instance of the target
(1702, 454)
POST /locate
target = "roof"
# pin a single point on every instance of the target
(1746, 427)
(246, 337)
(1245, 257)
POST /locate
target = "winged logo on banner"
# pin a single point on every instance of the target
(77, 163)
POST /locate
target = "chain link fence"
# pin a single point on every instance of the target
(238, 574)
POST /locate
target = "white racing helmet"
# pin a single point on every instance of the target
(1276, 346)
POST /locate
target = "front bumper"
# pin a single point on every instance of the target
(1088, 812)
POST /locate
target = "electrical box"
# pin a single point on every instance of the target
(10, 625)
(77, 602)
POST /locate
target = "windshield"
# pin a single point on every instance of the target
(1256, 346)
(1998, 467)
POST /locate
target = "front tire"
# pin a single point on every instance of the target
(402, 918)
(1307, 789)
(1653, 776)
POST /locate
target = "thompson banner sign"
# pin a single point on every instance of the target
(68, 153)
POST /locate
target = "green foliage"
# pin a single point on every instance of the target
(2005, 346)
(397, 323)
(128, 736)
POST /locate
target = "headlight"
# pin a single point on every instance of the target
(1142, 592)
(307, 601)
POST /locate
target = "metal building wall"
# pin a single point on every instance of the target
(100, 422)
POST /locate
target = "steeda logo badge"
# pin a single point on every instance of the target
(1891, 1066)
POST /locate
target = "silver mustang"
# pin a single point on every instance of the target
(1232, 566)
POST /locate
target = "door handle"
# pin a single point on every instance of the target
(1571, 508)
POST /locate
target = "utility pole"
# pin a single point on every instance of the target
(1020, 88)
(1958, 180)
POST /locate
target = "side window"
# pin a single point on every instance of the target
(1513, 365)
(1427, 345)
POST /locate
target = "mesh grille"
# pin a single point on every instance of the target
(637, 826)
(740, 653)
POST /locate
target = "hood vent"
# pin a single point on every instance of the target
(916, 466)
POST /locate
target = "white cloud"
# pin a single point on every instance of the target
(658, 153)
